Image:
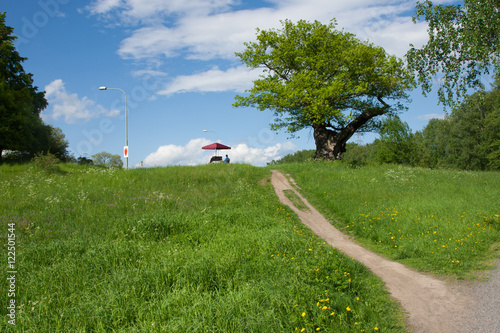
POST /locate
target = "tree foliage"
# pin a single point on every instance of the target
(396, 143)
(431, 144)
(57, 143)
(107, 160)
(48, 162)
(467, 139)
(320, 77)
(464, 43)
(297, 157)
(21, 128)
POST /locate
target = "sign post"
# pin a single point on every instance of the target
(125, 151)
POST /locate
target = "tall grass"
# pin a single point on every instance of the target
(177, 249)
(445, 222)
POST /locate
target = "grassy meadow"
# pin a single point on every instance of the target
(440, 221)
(176, 249)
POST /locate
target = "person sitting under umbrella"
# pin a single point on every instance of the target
(217, 146)
(226, 160)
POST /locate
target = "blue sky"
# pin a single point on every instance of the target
(175, 61)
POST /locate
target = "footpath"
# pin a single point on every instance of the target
(432, 305)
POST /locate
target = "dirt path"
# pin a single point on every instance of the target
(431, 304)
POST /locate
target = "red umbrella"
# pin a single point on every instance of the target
(216, 146)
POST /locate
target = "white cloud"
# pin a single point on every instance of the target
(236, 79)
(192, 154)
(70, 106)
(260, 156)
(205, 36)
(149, 73)
(151, 42)
(131, 11)
(103, 6)
(198, 37)
(216, 29)
(432, 116)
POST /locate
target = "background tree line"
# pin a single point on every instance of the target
(467, 139)
(22, 132)
(23, 135)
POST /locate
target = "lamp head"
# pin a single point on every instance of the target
(103, 88)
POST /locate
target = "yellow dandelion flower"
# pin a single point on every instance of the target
(302, 330)
(324, 308)
(303, 314)
(318, 329)
(331, 314)
(348, 309)
(376, 328)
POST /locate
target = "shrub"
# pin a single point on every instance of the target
(297, 157)
(47, 162)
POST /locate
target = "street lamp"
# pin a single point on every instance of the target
(126, 121)
(214, 133)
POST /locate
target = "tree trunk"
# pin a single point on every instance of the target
(329, 144)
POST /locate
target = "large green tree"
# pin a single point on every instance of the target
(468, 139)
(432, 142)
(320, 77)
(464, 44)
(107, 160)
(396, 143)
(20, 101)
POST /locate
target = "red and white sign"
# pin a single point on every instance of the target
(125, 151)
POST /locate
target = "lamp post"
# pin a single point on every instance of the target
(214, 133)
(126, 121)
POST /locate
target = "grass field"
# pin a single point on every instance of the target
(439, 221)
(177, 249)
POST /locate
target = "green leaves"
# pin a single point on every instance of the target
(107, 160)
(396, 143)
(315, 74)
(20, 101)
(463, 45)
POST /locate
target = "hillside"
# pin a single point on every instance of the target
(210, 248)
(439, 221)
(177, 249)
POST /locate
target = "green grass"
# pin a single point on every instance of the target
(177, 249)
(439, 221)
(296, 201)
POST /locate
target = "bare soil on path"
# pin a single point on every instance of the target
(432, 305)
